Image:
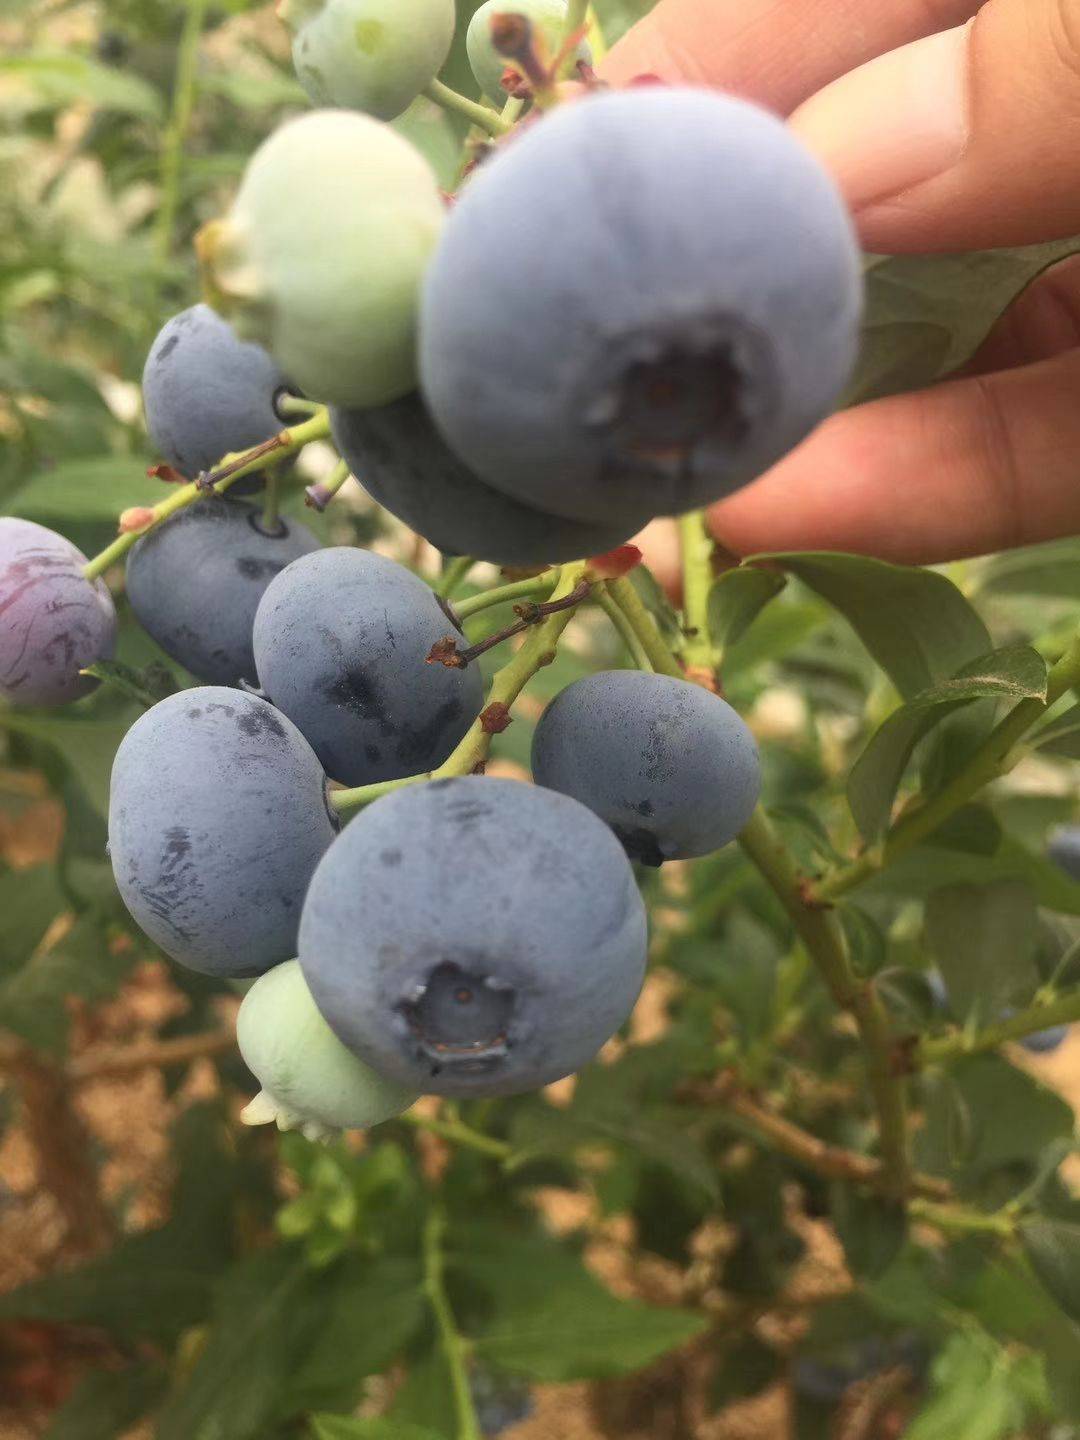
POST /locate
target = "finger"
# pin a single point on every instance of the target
(777, 52)
(972, 466)
(1042, 323)
(963, 139)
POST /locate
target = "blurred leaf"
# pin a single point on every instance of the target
(145, 687)
(550, 1319)
(64, 78)
(81, 490)
(1050, 569)
(983, 938)
(927, 314)
(928, 867)
(1015, 673)
(872, 1230)
(107, 1403)
(155, 1285)
(915, 623)
(1053, 1248)
(1060, 737)
(980, 1392)
(776, 632)
(29, 902)
(34, 999)
(87, 746)
(737, 597)
(340, 1427)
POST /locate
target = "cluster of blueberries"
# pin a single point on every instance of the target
(636, 304)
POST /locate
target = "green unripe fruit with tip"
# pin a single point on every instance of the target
(310, 1082)
(372, 55)
(321, 256)
(548, 18)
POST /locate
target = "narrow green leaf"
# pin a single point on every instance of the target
(1060, 737)
(63, 78)
(1049, 569)
(145, 687)
(84, 490)
(1014, 673)
(1053, 1248)
(915, 623)
(342, 1427)
(29, 902)
(87, 746)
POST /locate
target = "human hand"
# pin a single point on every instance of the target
(949, 125)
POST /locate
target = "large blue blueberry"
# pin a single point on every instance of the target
(217, 818)
(53, 621)
(669, 766)
(341, 645)
(404, 463)
(207, 393)
(474, 936)
(196, 581)
(685, 314)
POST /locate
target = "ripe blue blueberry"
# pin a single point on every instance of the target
(321, 257)
(373, 55)
(341, 645)
(310, 1081)
(404, 463)
(669, 766)
(706, 322)
(1064, 850)
(217, 817)
(53, 621)
(474, 936)
(548, 19)
(207, 394)
(195, 583)
(1044, 1041)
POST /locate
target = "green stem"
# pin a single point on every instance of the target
(458, 1133)
(295, 407)
(959, 1220)
(626, 631)
(508, 683)
(820, 932)
(453, 575)
(937, 1050)
(645, 628)
(993, 759)
(271, 514)
(577, 17)
(230, 469)
(479, 114)
(172, 147)
(503, 594)
(454, 1346)
(698, 651)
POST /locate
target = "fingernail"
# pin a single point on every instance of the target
(895, 122)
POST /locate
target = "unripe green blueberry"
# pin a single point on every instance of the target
(373, 55)
(321, 257)
(310, 1082)
(548, 19)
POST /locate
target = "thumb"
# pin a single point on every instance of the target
(965, 139)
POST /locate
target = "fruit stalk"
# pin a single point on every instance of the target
(458, 1133)
(698, 650)
(959, 1220)
(994, 758)
(231, 469)
(471, 752)
(645, 628)
(172, 149)
(940, 1049)
(503, 594)
(453, 575)
(458, 104)
(626, 631)
(453, 1344)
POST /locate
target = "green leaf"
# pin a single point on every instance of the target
(87, 746)
(1049, 569)
(81, 490)
(915, 623)
(146, 687)
(983, 938)
(979, 1392)
(1060, 737)
(737, 598)
(1014, 673)
(928, 867)
(341, 1427)
(550, 1319)
(1053, 1248)
(928, 314)
(778, 631)
(107, 1403)
(64, 78)
(29, 902)
(872, 1230)
(34, 999)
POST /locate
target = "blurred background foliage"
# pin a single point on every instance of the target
(626, 1257)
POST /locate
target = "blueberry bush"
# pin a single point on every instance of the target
(352, 1087)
